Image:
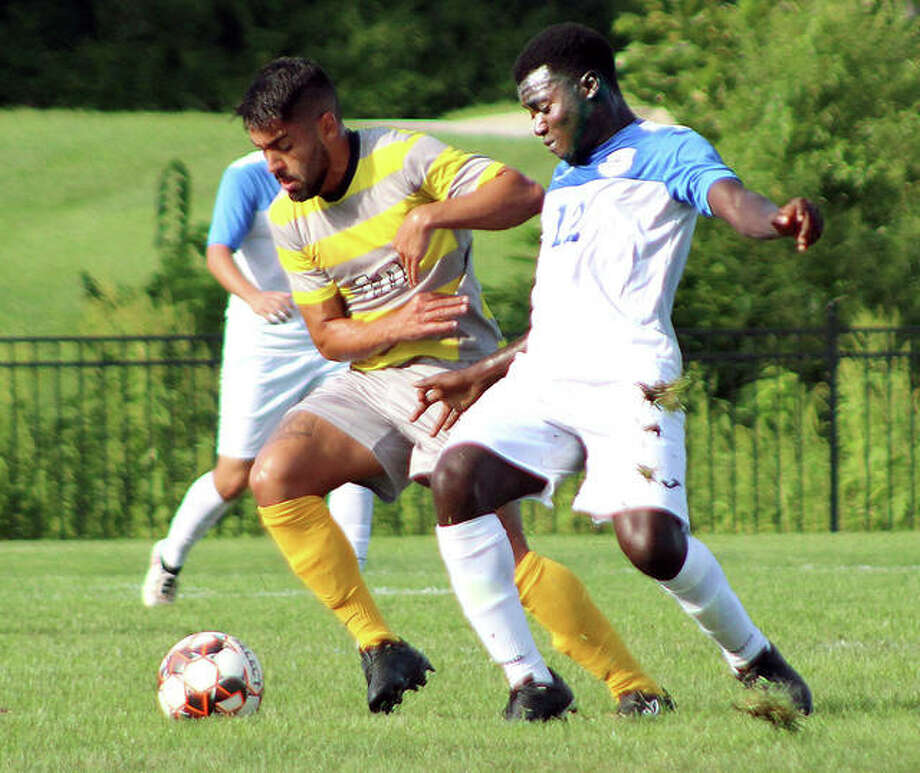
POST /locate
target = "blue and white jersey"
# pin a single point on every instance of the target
(616, 233)
(240, 222)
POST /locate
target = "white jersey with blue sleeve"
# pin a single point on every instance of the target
(266, 368)
(240, 222)
(616, 233)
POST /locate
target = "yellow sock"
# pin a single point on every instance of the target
(319, 553)
(561, 604)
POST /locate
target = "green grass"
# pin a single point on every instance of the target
(78, 192)
(80, 654)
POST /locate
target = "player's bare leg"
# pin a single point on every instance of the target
(304, 460)
(659, 545)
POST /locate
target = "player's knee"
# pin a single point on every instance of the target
(231, 484)
(233, 488)
(274, 477)
(461, 485)
(259, 481)
(453, 486)
(653, 540)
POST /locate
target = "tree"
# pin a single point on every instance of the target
(817, 98)
(404, 58)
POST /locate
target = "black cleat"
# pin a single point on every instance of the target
(539, 702)
(392, 668)
(771, 666)
(644, 704)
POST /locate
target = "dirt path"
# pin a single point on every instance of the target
(515, 124)
(501, 124)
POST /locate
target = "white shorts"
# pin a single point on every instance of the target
(632, 451)
(373, 407)
(263, 373)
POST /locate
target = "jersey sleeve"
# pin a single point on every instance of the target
(234, 208)
(310, 284)
(443, 172)
(692, 167)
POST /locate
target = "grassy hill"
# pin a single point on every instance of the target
(78, 192)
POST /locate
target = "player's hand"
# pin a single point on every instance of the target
(411, 243)
(428, 315)
(455, 390)
(274, 306)
(800, 219)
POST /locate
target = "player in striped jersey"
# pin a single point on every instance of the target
(268, 363)
(597, 386)
(374, 232)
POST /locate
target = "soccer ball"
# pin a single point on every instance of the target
(209, 673)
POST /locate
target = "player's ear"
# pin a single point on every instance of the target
(328, 124)
(590, 84)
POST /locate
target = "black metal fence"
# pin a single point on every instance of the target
(798, 430)
(787, 430)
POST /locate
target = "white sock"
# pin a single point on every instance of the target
(200, 509)
(703, 592)
(352, 507)
(480, 564)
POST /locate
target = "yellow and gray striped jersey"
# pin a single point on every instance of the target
(344, 245)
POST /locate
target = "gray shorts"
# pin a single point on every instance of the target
(373, 407)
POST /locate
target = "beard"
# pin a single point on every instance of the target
(305, 189)
(309, 187)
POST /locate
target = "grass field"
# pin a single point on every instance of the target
(79, 656)
(78, 192)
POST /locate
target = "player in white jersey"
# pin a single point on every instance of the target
(596, 384)
(269, 363)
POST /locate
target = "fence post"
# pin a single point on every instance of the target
(833, 359)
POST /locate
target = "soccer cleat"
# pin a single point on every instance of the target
(534, 702)
(160, 585)
(771, 666)
(644, 704)
(390, 669)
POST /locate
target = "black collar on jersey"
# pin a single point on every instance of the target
(354, 149)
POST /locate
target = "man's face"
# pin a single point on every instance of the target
(296, 156)
(558, 109)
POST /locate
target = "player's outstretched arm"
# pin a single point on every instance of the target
(751, 214)
(273, 306)
(457, 390)
(424, 315)
(505, 201)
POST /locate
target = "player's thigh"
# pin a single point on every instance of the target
(365, 407)
(307, 455)
(511, 424)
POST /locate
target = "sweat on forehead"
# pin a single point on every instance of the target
(537, 84)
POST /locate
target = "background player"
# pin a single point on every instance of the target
(268, 364)
(598, 385)
(375, 235)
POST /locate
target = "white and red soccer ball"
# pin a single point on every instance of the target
(210, 674)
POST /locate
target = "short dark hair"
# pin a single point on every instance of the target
(569, 49)
(281, 87)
